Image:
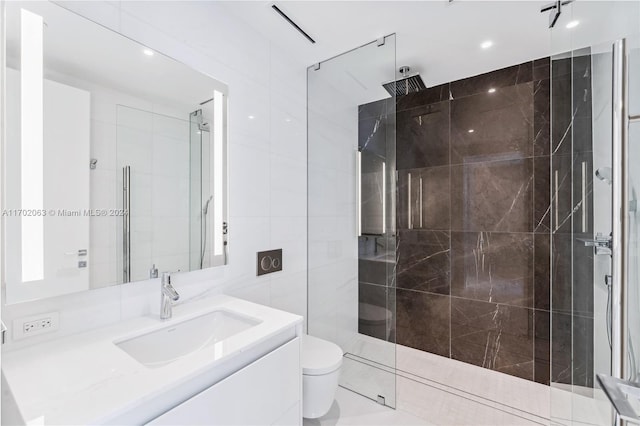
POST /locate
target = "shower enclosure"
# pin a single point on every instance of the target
(463, 238)
(351, 209)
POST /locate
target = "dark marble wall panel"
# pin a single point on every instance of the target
(561, 347)
(505, 77)
(542, 271)
(495, 336)
(422, 136)
(542, 347)
(492, 196)
(424, 261)
(431, 95)
(473, 268)
(542, 68)
(542, 117)
(542, 194)
(429, 201)
(561, 196)
(376, 109)
(561, 259)
(561, 101)
(493, 126)
(372, 271)
(372, 135)
(493, 267)
(423, 321)
(572, 220)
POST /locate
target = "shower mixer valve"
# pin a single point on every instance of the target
(601, 243)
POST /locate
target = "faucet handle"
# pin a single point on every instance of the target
(166, 276)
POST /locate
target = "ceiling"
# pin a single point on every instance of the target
(440, 39)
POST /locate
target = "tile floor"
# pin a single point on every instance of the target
(432, 390)
(352, 409)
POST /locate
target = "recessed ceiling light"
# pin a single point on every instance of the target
(471, 130)
(251, 117)
(573, 24)
(288, 120)
(148, 52)
(492, 90)
(486, 44)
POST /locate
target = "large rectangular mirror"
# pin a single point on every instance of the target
(115, 158)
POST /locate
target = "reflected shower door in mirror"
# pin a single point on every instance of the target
(115, 158)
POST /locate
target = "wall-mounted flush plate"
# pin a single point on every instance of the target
(269, 261)
(35, 325)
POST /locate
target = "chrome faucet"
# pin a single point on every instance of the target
(168, 294)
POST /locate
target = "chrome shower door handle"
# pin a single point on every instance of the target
(358, 192)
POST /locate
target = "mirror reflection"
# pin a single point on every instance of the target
(115, 158)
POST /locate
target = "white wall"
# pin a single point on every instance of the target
(333, 241)
(267, 156)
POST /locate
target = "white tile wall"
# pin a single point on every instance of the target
(263, 82)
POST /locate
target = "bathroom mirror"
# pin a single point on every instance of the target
(115, 158)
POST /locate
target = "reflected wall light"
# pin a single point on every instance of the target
(218, 170)
(31, 153)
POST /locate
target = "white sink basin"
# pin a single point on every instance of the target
(160, 347)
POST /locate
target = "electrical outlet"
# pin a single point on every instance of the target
(35, 325)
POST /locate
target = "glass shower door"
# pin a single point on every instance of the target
(582, 343)
(351, 210)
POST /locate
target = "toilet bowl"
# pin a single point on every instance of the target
(321, 361)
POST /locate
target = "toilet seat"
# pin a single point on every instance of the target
(318, 356)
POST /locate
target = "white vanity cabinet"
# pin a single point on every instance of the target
(266, 392)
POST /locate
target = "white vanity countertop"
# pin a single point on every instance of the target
(87, 379)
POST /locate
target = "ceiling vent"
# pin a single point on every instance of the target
(293, 24)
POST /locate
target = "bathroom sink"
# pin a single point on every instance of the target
(161, 347)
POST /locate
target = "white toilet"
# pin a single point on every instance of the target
(321, 362)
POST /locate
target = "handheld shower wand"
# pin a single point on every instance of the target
(205, 210)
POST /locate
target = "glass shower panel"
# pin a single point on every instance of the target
(195, 190)
(134, 154)
(351, 209)
(634, 215)
(581, 194)
(153, 149)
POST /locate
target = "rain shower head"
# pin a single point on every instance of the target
(408, 83)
